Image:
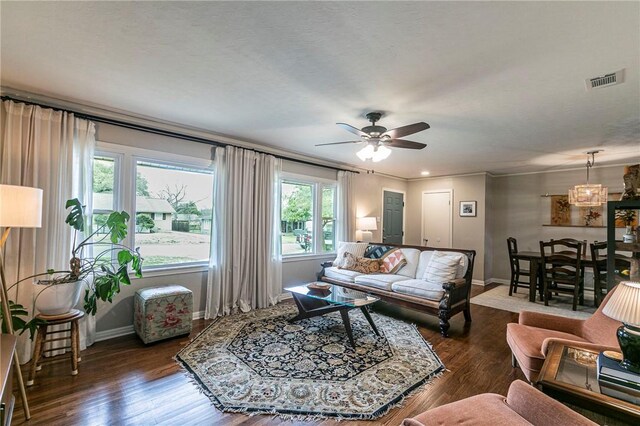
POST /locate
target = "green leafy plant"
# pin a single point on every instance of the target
(626, 216)
(105, 272)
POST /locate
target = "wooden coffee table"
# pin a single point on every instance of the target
(569, 375)
(313, 303)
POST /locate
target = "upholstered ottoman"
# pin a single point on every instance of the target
(162, 312)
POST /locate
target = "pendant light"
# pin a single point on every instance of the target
(588, 195)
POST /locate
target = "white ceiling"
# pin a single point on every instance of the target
(501, 84)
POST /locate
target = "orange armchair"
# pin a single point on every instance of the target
(524, 405)
(529, 339)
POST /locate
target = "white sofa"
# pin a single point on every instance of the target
(408, 288)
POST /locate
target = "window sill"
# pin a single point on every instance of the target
(305, 257)
(173, 270)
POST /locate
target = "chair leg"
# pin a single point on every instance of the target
(75, 346)
(511, 284)
(515, 283)
(545, 291)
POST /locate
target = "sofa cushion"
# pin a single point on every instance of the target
(361, 264)
(336, 273)
(383, 281)
(442, 267)
(419, 288)
(356, 249)
(413, 256)
(376, 251)
(392, 261)
(425, 258)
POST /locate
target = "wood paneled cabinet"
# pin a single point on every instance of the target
(616, 274)
(7, 348)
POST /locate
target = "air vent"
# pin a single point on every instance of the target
(605, 80)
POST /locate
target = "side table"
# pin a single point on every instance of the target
(569, 375)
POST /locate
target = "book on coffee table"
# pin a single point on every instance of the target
(617, 381)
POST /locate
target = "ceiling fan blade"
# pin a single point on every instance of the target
(354, 130)
(337, 143)
(402, 143)
(406, 130)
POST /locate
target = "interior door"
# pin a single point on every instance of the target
(436, 219)
(393, 209)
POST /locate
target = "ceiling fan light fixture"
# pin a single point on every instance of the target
(365, 153)
(380, 153)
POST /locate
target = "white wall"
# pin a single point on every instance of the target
(468, 232)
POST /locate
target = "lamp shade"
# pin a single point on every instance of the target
(20, 207)
(624, 304)
(367, 224)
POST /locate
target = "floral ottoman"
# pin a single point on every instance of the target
(162, 312)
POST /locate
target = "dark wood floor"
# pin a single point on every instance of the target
(122, 381)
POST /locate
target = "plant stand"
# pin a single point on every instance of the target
(43, 338)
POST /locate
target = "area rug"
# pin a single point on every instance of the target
(559, 305)
(258, 362)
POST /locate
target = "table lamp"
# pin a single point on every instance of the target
(366, 225)
(624, 306)
(20, 207)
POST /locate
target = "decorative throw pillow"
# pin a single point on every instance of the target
(360, 264)
(392, 261)
(356, 249)
(442, 267)
(376, 252)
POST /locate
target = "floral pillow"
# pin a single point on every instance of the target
(360, 264)
(392, 261)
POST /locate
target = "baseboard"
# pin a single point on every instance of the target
(478, 282)
(114, 332)
(499, 281)
(128, 329)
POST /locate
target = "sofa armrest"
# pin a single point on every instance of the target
(551, 322)
(546, 343)
(457, 283)
(539, 409)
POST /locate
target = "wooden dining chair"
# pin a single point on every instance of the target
(562, 268)
(516, 271)
(599, 258)
(582, 270)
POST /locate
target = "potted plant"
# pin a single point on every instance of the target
(103, 272)
(627, 217)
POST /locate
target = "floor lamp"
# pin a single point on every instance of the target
(20, 207)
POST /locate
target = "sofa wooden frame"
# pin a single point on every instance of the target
(456, 299)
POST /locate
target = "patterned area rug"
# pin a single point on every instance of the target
(559, 305)
(257, 362)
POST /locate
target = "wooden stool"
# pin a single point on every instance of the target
(41, 339)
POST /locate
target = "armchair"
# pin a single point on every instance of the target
(524, 405)
(531, 336)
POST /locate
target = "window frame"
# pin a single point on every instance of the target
(317, 185)
(125, 193)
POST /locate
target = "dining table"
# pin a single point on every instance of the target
(535, 260)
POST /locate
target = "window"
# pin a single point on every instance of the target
(301, 203)
(173, 213)
(104, 200)
(169, 198)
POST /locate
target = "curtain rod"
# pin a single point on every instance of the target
(169, 133)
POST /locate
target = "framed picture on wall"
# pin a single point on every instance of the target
(468, 208)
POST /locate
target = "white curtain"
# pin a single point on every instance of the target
(245, 270)
(51, 150)
(346, 226)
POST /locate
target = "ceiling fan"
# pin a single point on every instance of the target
(378, 139)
